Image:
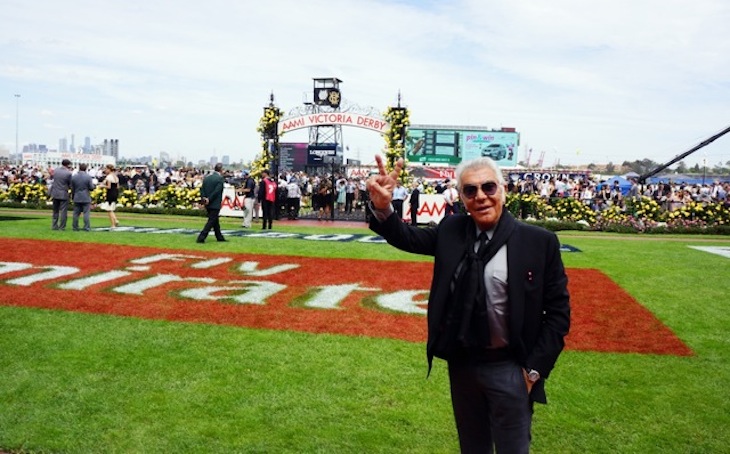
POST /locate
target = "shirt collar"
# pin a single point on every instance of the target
(490, 232)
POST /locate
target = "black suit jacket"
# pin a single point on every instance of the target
(539, 307)
(212, 189)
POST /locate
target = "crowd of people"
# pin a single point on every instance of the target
(599, 195)
(325, 194)
(295, 191)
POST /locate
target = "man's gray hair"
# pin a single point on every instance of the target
(480, 163)
(477, 164)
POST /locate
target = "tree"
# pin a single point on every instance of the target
(610, 167)
(681, 167)
(640, 166)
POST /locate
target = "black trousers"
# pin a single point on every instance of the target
(491, 406)
(268, 210)
(398, 207)
(213, 223)
(349, 201)
(292, 207)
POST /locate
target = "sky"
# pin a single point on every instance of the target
(582, 82)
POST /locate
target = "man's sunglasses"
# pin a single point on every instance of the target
(488, 188)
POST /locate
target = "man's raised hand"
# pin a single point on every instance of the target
(380, 186)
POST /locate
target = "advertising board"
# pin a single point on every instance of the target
(293, 156)
(451, 145)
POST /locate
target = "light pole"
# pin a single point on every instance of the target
(17, 117)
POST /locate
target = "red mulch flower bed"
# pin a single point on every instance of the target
(188, 286)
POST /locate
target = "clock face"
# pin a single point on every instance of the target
(322, 94)
(334, 98)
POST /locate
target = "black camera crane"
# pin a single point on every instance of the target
(679, 157)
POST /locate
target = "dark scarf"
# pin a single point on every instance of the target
(466, 324)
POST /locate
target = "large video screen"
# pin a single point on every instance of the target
(451, 146)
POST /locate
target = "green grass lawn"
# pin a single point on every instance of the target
(80, 383)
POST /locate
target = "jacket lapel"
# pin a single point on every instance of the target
(516, 288)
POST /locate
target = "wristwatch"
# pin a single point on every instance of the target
(533, 375)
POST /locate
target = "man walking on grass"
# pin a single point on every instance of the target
(211, 193)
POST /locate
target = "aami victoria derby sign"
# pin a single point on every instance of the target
(333, 118)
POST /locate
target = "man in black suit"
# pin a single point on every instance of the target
(211, 193)
(414, 202)
(498, 309)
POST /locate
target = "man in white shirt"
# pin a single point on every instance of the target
(400, 194)
(451, 196)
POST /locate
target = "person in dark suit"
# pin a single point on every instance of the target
(59, 194)
(414, 203)
(498, 308)
(211, 193)
(81, 186)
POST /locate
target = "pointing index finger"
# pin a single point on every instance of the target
(381, 165)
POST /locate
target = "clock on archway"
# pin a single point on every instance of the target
(327, 97)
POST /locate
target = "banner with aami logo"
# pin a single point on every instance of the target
(316, 295)
(430, 209)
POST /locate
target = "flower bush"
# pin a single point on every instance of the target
(268, 128)
(696, 211)
(644, 215)
(28, 193)
(399, 120)
(532, 206)
(569, 209)
(645, 208)
(166, 197)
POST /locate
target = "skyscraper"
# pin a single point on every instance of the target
(110, 147)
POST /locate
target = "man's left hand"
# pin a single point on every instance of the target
(527, 381)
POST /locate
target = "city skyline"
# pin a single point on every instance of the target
(598, 82)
